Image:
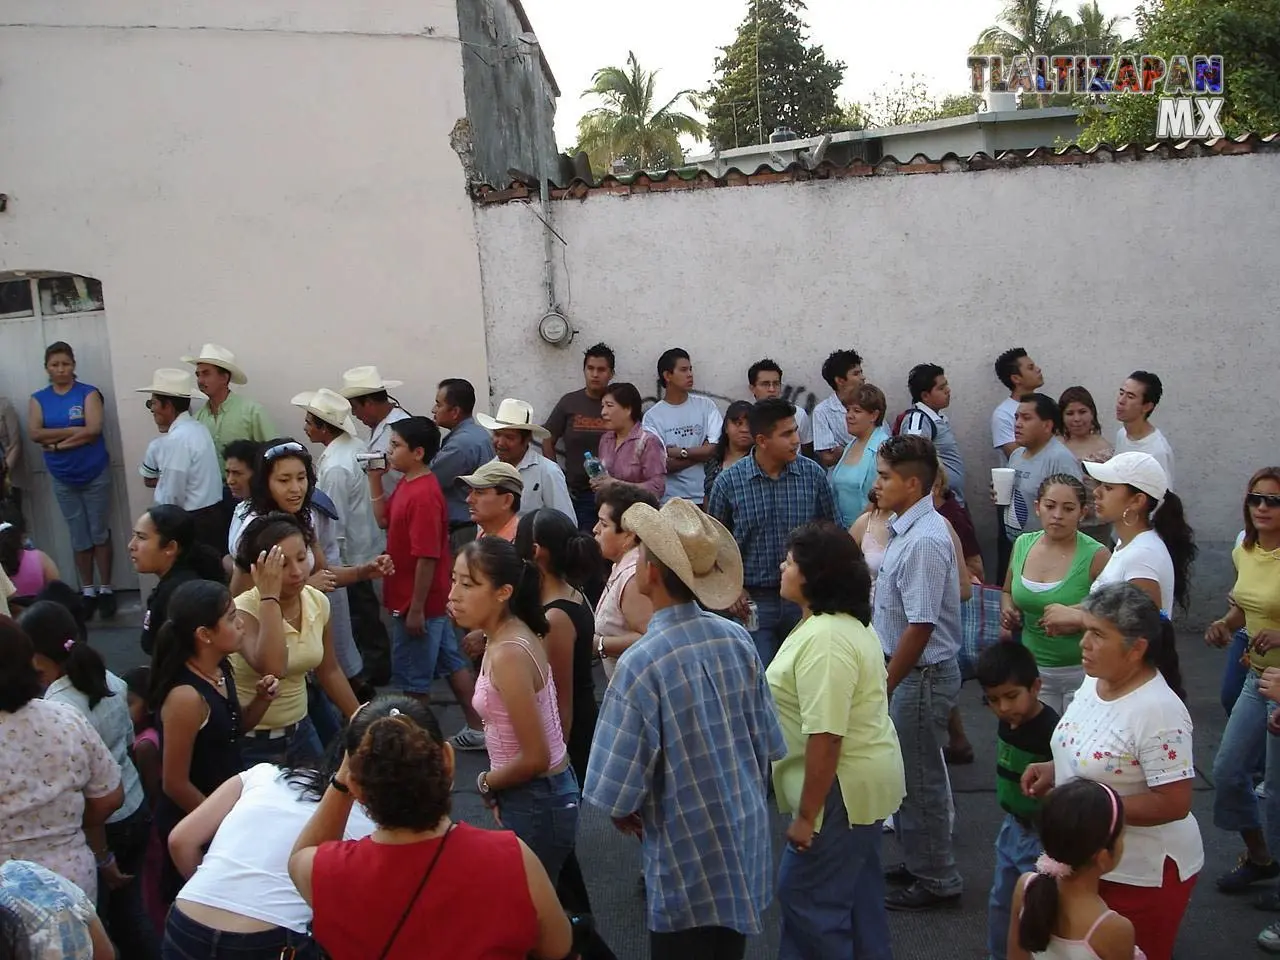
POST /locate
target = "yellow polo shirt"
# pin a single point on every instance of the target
(1257, 594)
(829, 677)
(305, 651)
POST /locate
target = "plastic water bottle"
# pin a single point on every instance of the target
(593, 466)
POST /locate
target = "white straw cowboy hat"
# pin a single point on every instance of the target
(362, 381)
(696, 547)
(514, 415)
(217, 356)
(324, 404)
(169, 382)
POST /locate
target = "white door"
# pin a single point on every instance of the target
(36, 310)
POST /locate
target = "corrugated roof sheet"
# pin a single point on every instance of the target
(680, 180)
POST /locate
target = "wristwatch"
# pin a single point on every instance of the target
(684, 453)
(600, 648)
(482, 784)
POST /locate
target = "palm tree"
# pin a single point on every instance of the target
(1094, 32)
(627, 127)
(1027, 27)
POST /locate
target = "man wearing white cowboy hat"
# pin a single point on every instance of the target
(228, 416)
(185, 456)
(685, 741)
(340, 475)
(514, 431)
(373, 406)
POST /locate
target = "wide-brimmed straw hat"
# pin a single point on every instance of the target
(1139, 470)
(324, 404)
(217, 356)
(694, 546)
(514, 415)
(362, 381)
(169, 382)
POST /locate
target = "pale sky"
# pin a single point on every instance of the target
(877, 40)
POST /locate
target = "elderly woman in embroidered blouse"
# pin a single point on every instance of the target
(286, 635)
(57, 778)
(623, 613)
(627, 452)
(1128, 727)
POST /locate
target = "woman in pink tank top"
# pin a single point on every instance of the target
(529, 784)
(29, 569)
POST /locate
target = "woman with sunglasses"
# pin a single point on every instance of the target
(1254, 603)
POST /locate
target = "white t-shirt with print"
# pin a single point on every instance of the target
(1145, 558)
(690, 424)
(1154, 444)
(1134, 743)
(1002, 418)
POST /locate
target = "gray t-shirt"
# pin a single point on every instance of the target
(1020, 516)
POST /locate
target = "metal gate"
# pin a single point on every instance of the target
(38, 308)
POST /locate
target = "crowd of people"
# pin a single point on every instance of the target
(784, 604)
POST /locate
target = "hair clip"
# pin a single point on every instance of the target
(1049, 867)
(291, 446)
(393, 712)
(68, 644)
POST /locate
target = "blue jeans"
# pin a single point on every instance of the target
(1017, 849)
(920, 708)
(1235, 806)
(86, 507)
(414, 658)
(584, 507)
(1233, 671)
(185, 939)
(544, 814)
(832, 895)
(323, 715)
(303, 744)
(777, 617)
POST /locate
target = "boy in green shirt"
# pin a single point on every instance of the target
(1011, 687)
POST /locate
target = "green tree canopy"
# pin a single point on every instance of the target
(1026, 27)
(904, 101)
(630, 126)
(770, 77)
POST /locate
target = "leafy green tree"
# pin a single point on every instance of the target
(905, 101)
(1094, 32)
(1026, 27)
(770, 77)
(629, 126)
(1247, 35)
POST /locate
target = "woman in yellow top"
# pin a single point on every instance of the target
(843, 774)
(1254, 603)
(286, 634)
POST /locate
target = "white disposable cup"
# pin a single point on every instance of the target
(1002, 479)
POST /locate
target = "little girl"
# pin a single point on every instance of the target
(1057, 912)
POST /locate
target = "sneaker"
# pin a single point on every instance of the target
(107, 605)
(916, 898)
(1246, 873)
(468, 739)
(1260, 791)
(1269, 939)
(88, 605)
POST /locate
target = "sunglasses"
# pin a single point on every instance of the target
(1271, 500)
(281, 449)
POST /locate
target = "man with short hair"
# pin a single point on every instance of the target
(373, 405)
(685, 740)
(1137, 401)
(761, 499)
(575, 422)
(467, 446)
(1020, 375)
(843, 372)
(688, 423)
(493, 497)
(1039, 454)
(341, 476)
(514, 431)
(917, 618)
(185, 459)
(764, 379)
(930, 395)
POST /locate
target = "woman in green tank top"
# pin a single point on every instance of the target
(1055, 565)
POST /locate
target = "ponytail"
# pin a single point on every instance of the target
(572, 555)
(1169, 521)
(56, 636)
(526, 601)
(502, 566)
(195, 604)
(1163, 655)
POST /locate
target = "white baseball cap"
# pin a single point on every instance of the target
(1139, 470)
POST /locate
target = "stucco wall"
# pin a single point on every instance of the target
(277, 178)
(1096, 270)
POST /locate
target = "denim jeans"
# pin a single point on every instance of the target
(1235, 806)
(303, 743)
(1233, 671)
(777, 617)
(185, 939)
(86, 507)
(544, 814)
(1017, 849)
(920, 708)
(324, 716)
(585, 510)
(414, 658)
(831, 896)
(372, 639)
(122, 910)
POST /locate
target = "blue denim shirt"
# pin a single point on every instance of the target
(467, 446)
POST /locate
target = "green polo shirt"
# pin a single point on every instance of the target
(239, 418)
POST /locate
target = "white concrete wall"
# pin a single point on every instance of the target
(1096, 270)
(274, 177)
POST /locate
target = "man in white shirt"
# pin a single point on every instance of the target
(185, 458)
(373, 406)
(843, 372)
(688, 424)
(514, 429)
(1020, 376)
(1138, 398)
(764, 378)
(341, 476)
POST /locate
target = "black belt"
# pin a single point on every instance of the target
(273, 733)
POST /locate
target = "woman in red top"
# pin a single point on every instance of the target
(421, 887)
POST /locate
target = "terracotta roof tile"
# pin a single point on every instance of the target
(671, 181)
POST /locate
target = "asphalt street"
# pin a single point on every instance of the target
(1215, 924)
